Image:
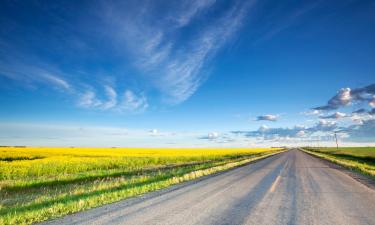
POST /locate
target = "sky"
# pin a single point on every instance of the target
(189, 73)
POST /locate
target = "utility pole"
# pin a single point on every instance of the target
(337, 144)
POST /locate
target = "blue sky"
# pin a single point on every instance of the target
(187, 73)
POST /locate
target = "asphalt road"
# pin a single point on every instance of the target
(288, 188)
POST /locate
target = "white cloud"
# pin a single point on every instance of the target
(263, 128)
(301, 133)
(154, 132)
(213, 135)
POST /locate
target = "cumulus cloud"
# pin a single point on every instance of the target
(266, 133)
(267, 117)
(271, 133)
(324, 125)
(210, 136)
(301, 133)
(346, 96)
(312, 112)
(372, 102)
(363, 132)
(213, 135)
(359, 126)
(263, 128)
(336, 115)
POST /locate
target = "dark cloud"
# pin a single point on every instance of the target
(345, 96)
(268, 117)
(324, 125)
(294, 132)
(210, 136)
(270, 133)
(364, 132)
(336, 115)
(360, 111)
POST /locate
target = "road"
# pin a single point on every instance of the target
(289, 188)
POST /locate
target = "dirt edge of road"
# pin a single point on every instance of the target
(370, 183)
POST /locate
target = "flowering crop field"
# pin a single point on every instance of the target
(40, 183)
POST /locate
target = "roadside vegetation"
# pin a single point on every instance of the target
(38, 184)
(360, 159)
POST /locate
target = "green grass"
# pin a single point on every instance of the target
(38, 184)
(360, 159)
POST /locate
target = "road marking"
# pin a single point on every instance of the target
(274, 184)
(273, 187)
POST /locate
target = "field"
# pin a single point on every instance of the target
(361, 159)
(37, 184)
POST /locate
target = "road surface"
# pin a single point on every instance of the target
(288, 188)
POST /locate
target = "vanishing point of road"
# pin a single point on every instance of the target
(288, 188)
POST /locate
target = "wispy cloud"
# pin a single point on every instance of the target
(56, 80)
(112, 97)
(26, 74)
(283, 21)
(129, 101)
(89, 99)
(190, 9)
(177, 66)
(134, 102)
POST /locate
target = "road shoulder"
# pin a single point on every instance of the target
(367, 181)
